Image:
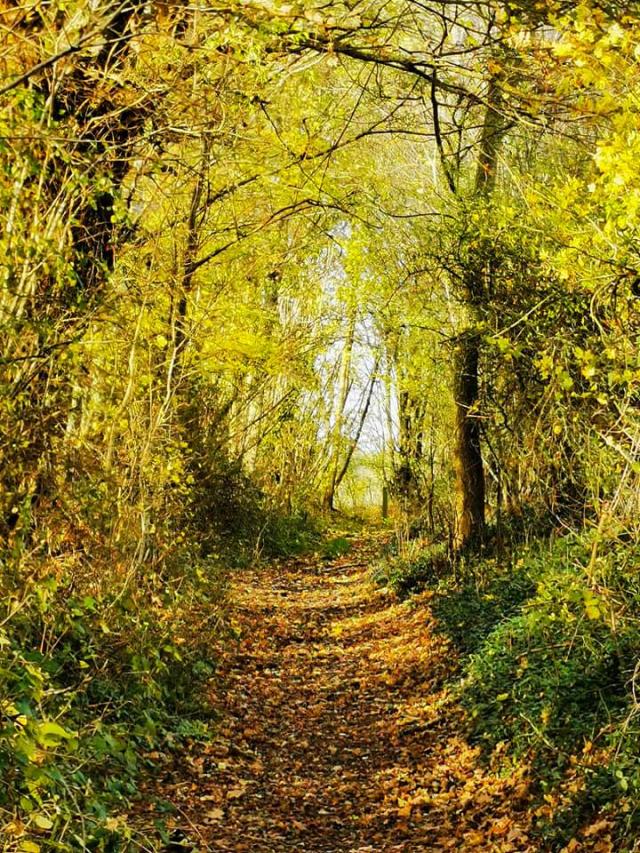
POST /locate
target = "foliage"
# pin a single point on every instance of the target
(94, 685)
(337, 547)
(260, 261)
(554, 681)
(548, 669)
(412, 570)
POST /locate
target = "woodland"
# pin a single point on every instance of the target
(319, 425)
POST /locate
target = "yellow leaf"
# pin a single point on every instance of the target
(404, 810)
(236, 793)
(598, 827)
(14, 828)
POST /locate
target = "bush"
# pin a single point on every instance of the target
(549, 647)
(334, 548)
(469, 609)
(548, 676)
(409, 573)
(92, 683)
(285, 535)
(234, 519)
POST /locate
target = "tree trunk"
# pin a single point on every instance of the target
(470, 485)
(407, 480)
(336, 437)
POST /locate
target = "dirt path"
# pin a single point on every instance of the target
(337, 735)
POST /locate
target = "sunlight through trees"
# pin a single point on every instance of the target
(266, 265)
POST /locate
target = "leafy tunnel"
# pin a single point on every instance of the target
(319, 327)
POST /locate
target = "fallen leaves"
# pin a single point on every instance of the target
(338, 734)
(215, 814)
(238, 791)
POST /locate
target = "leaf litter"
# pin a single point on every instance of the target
(338, 732)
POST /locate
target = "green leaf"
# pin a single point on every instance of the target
(25, 747)
(51, 734)
(26, 804)
(566, 382)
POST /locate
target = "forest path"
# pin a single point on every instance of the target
(337, 734)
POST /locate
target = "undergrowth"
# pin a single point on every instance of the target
(105, 661)
(547, 637)
(92, 686)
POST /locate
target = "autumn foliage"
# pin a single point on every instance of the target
(267, 265)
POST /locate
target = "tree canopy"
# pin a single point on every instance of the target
(265, 263)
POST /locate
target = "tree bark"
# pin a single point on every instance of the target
(469, 468)
(470, 484)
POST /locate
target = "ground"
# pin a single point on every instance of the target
(338, 731)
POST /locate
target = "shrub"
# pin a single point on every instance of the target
(549, 677)
(549, 646)
(412, 572)
(92, 683)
